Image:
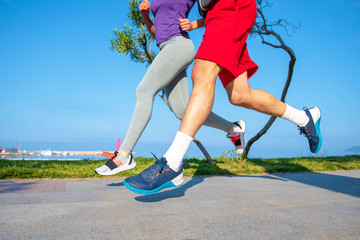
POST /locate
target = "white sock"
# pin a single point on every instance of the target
(296, 116)
(177, 150)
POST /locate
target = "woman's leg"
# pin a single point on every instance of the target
(177, 93)
(176, 55)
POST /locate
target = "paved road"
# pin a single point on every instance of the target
(282, 206)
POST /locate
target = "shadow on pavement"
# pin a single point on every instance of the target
(179, 191)
(119, 184)
(14, 187)
(332, 182)
(335, 183)
(173, 193)
(33, 186)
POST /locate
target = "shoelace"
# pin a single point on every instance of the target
(234, 135)
(304, 131)
(155, 169)
(234, 138)
(108, 154)
(113, 157)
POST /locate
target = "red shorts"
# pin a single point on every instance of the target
(227, 26)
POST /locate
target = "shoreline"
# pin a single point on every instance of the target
(53, 153)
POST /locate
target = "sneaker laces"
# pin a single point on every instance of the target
(113, 157)
(302, 131)
(234, 135)
(109, 154)
(234, 138)
(305, 132)
(155, 169)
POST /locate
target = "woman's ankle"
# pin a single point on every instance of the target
(123, 153)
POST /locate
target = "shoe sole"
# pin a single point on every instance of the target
(176, 182)
(317, 128)
(118, 169)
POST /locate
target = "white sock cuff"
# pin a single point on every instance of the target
(184, 136)
(286, 111)
(296, 116)
(177, 150)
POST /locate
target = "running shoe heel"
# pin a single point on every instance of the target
(178, 181)
(317, 127)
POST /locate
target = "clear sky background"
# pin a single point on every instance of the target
(61, 87)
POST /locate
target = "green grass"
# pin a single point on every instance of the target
(28, 169)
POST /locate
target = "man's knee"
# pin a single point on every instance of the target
(199, 79)
(239, 91)
(204, 72)
(198, 75)
(240, 99)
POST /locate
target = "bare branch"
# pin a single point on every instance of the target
(262, 29)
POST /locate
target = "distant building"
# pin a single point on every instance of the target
(11, 150)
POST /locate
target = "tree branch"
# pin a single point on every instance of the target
(262, 30)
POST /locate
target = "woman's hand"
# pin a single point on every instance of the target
(144, 7)
(185, 24)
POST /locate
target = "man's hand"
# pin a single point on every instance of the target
(144, 7)
(185, 24)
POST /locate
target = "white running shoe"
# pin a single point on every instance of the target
(116, 164)
(237, 137)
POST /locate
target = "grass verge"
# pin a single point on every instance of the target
(31, 169)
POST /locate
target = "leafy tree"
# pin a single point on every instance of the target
(136, 42)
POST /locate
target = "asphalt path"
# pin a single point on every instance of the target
(322, 205)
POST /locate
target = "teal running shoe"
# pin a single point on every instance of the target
(312, 129)
(155, 178)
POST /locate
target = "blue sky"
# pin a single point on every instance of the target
(61, 87)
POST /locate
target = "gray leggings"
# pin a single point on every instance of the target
(168, 72)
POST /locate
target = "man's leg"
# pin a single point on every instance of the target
(204, 76)
(308, 121)
(177, 93)
(240, 94)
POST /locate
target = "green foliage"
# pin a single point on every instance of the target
(134, 14)
(134, 40)
(27, 169)
(230, 154)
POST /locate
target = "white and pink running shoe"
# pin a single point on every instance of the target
(237, 137)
